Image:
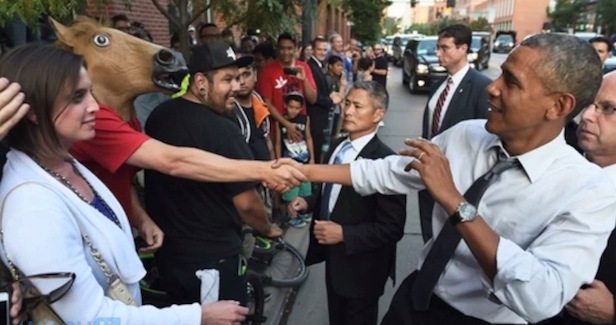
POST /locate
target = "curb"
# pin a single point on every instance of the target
(277, 307)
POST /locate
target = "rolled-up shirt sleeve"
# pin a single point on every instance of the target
(537, 282)
(384, 176)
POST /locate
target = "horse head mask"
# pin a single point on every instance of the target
(121, 66)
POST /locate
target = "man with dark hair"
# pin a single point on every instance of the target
(521, 241)
(264, 53)
(461, 96)
(247, 45)
(320, 111)
(355, 235)
(209, 33)
(121, 22)
(282, 76)
(603, 47)
(257, 114)
(203, 221)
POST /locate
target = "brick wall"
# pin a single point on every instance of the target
(142, 11)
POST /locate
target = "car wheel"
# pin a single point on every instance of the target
(413, 84)
(405, 78)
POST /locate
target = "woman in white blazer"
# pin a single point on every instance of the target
(49, 200)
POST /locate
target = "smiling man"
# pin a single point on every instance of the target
(515, 234)
(203, 221)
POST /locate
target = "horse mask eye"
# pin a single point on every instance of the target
(101, 40)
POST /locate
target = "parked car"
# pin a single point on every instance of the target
(479, 53)
(587, 36)
(420, 66)
(399, 42)
(504, 41)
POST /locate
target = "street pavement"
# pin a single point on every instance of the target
(308, 305)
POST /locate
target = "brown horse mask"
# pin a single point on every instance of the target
(118, 63)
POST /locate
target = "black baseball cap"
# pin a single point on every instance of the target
(215, 55)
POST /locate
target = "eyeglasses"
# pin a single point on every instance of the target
(30, 301)
(603, 109)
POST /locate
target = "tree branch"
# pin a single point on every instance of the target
(166, 13)
(198, 13)
(237, 21)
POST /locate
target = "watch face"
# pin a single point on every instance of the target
(467, 211)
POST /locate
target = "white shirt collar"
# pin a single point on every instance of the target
(317, 61)
(611, 171)
(458, 76)
(361, 142)
(538, 160)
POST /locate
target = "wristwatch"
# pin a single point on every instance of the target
(464, 213)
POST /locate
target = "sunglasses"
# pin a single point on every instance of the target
(31, 301)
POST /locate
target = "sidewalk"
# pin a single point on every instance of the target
(276, 307)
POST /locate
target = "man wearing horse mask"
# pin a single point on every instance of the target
(202, 221)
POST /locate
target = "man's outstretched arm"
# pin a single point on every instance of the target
(204, 166)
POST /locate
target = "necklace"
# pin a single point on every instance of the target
(110, 214)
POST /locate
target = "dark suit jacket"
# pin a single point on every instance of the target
(470, 101)
(318, 112)
(372, 225)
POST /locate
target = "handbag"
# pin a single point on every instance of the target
(117, 289)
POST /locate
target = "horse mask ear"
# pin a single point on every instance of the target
(62, 32)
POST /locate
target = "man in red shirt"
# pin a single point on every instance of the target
(283, 76)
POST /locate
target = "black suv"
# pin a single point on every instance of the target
(479, 54)
(420, 67)
(504, 41)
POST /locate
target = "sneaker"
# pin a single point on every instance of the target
(296, 223)
(306, 217)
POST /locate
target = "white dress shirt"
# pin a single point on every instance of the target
(351, 154)
(611, 172)
(457, 79)
(553, 215)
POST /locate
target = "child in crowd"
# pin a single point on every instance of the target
(302, 151)
(365, 66)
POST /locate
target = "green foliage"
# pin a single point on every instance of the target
(366, 16)
(607, 18)
(480, 24)
(567, 13)
(30, 11)
(391, 26)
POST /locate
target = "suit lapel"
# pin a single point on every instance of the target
(367, 152)
(458, 99)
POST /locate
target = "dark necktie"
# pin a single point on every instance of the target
(448, 239)
(436, 117)
(327, 189)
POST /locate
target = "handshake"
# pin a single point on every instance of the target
(282, 174)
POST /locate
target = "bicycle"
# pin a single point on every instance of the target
(278, 263)
(152, 293)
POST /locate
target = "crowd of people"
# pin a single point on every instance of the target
(517, 224)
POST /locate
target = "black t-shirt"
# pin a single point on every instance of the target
(380, 63)
(198, 218)
(257, 143)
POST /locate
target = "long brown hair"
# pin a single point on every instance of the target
(44, 72)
